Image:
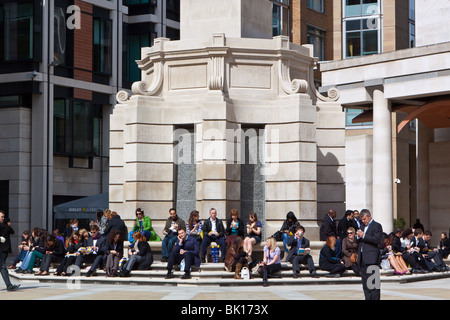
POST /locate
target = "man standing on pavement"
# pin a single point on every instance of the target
(370, 236)
(5, 248)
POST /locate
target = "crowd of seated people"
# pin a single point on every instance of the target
(407, 250)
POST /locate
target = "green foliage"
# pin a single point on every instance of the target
(399, 223)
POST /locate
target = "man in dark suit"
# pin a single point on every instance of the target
(186, 248)
(5, 248)
(369, 254)
(213, 231)
(97, 257)
(328, 228)
(297, 241)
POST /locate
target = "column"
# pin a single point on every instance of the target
(423, 138)
(382, 210)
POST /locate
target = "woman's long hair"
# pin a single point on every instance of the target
(113, 235)
(331, 242)
(137, 236)
(193, 217)
(253, 216)
(237, 244)
(273, 244)
(71, 239)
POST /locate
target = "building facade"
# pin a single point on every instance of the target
(227, 117)
(396, 155)
(61, 65)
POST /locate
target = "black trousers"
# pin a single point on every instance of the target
(96, 260)
(3, 269)
(47, 259)
(176, 258)
(220, 241)
(371, 286)
(66, 262)
(305, 260)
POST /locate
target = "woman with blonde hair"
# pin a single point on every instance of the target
(329, 261)
(350, 250)
(272, 262)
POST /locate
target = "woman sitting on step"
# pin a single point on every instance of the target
(329, 261)
(140, 256)
(272, 262)
(236, 257)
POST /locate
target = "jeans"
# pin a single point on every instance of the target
(167, 245)
(285, 238)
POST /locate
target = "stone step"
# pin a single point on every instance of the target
(213, 278)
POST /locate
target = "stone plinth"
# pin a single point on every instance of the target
(223, 121)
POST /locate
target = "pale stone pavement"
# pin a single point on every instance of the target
(31, 290)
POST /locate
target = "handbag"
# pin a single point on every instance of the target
(278, 236)
(353, 258)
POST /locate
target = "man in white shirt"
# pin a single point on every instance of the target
(213, 231)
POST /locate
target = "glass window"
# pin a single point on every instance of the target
(135, 36)
(61, 135)
(362, 29)
(16, 31)
(77, 127)
(316, 37)
(370, 42)
(350, 114)
(280, 18)
(412, 23)
(358, 8)
(102, 45)
(316, 5)
(173, 10)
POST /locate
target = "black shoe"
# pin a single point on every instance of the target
(333, 275)
(295, 275)
(88, 274)
(186, 276)
(314, 275)
(418, 271)
(12, 287)
(169, 275)
(164, 259)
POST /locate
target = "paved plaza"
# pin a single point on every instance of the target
(32, 290)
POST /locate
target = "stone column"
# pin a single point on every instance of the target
(382, 210)
(423, 138)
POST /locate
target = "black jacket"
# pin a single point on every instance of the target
(293, 241)
(58, 249)
(327, 258)
(108, 246)
(146, 253)
(240, 227)
(369, 245)
(327, 228)
(116, 223)
(206, 227)
(100, 244)
(5, 232)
